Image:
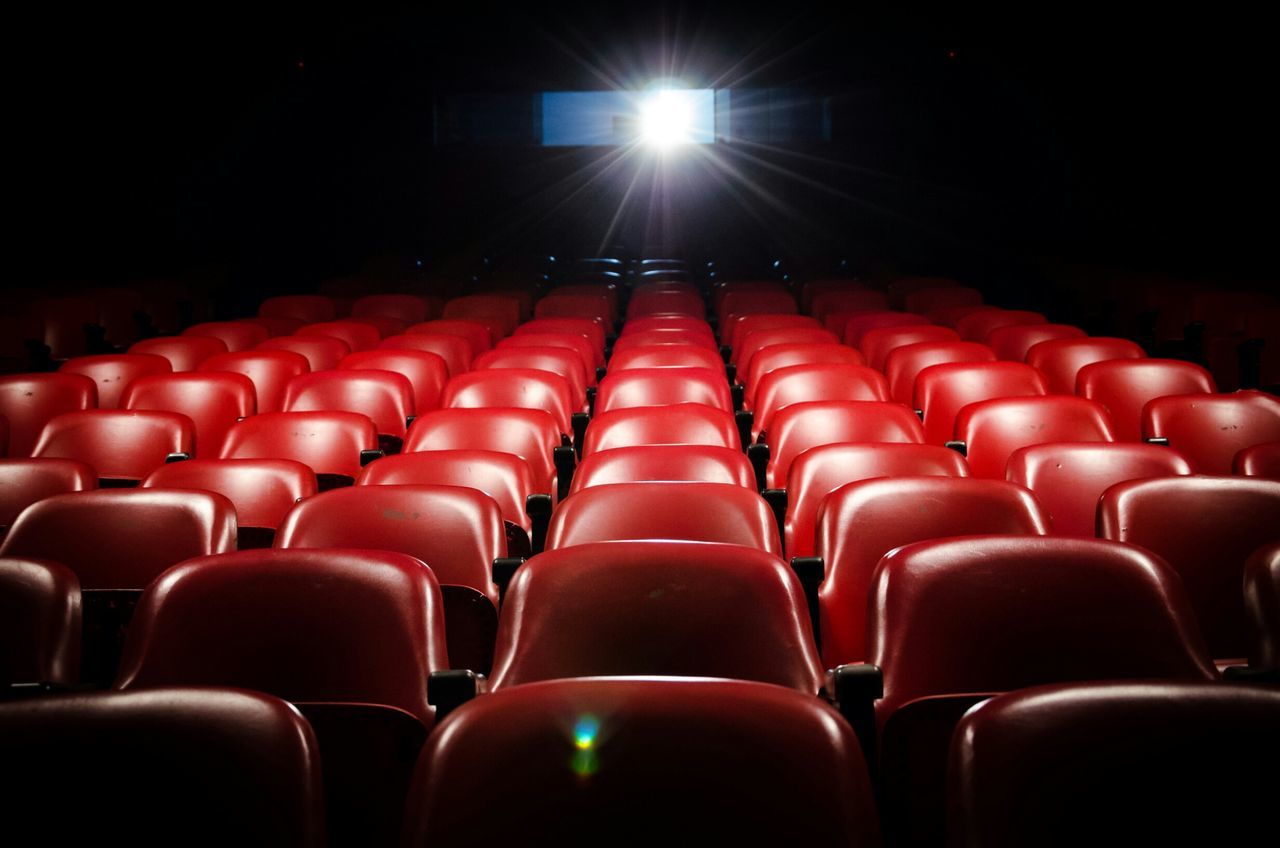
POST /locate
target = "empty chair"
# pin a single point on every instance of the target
(113, 372)
(829, 303)
(734, 331)
(454, 350)
(30, 401)
(25, 481)
(778, 302)
(819, 471)
(666, 356)
(269, 371)
(774, 357)
(323, 353)
(714, 761)
(681, 424)
(821, 382)
(1013, 341)
(607, 609)
(408, 308)
(860, 522)
(476, 333)
(860, 324)
(942, 391)
(1069, 478)
(592, 306)
(925, 300)
(904, 363)
(562, 362)
(357, 335)
(1262, 607)
(575, 343)
(426, 373)
(530, 434)
(385, 325)
(262, 490)
(213, 400)
(976, 326)
(585, 327)
(748, 341)
(348, 636)
(991, 430)
(1212, 429)
(658, 338)
(185, 353)
(663, 387)
(812, 288)
(308, 308)
(664, 463)
(670, 302)
(1205, 528)
(384, 397)
(900, 287)
(1060, 360)
(957, 619)
(802, 426)
(513, 388)
(695, 512)
(39, 623)
(201, 766)
(276, 325)
(1124, 386)
(949, 316)
(877, 344)
(1143, 762)
(121, 446)
(494, 307)
(666, 322)
(236, 335)
(1258, 461)
(332, 444)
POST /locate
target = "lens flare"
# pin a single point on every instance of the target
(665, 118)
(584, 733)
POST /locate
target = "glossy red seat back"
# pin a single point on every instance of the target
(695, 512)
(513, 388)
(454, 350)
(329, 625)
(677, 302)
(1212, 429)
(774, 357)
(113, 372)
(562, 362)
(408, 308)
(118, 444)
(25, 481)
(924, 300)
(494, 307)
(426, 373)
(575, 343)
(592, 331)
(825, 304)
(860, 324)
(747, 344)
(666, 322)
(1206, 528)
(477, 334)
(1124, 386)
(640, 387)
(1060, 360)
(819, 471)
(308, 308)
(682, 424)
(323, 353)
(97, 534)
(735, 329)
(214, 401)
(269, 371)
(802, 426)
(596, 307)
(530, 434)
(666, 356)
(1261, 460)
(976, 326)
(877, 344)
(783, 387)
(502, 476)
(665, 338)
(942, 391)
(1262, 606)
(904, 363)
(185, 353)
(30, 401)
(757, 764)
(262, 490)
(236, 335)
(1013, 341)
(993, 429)
(329, 443)
(40, 623)
(606, 609)
(664, 463)
(778, 302)
(357, 335)
(383, 396)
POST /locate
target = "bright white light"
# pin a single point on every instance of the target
(666, 118)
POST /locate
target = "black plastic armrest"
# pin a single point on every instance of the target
(368, 456)
(448, 690)
(565, 463)
(810, 571)
(538, 508)
(580, 420)
(177, 456)
(959, 447)
(1158, 440)
(856, 689)
(758, 454)
(777, 501)
(504, 568)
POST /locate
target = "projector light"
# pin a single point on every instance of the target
(665, 119)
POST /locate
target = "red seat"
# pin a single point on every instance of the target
(119, 445)
(39, 623)
(113, 372)
(748, 344)
(1262, 606)
(877, 344)
(826, 304)
(607, 609)
(25, 481)
(357, 335)
(666, 356)
(783, 387)
(664, 463)
(682, 424)
(924, 300)
(323, 353)
(774, 357)
(813, 288)
(942, 391)
(591, 330)
(96, 533)
(859, 325)
(715, 761)
(1124, 386)
(1206, 528)
(900, 287)
(575, 343)
(1212, 429)
(383, 396)
(819, 471)
(1258, 461)
(329, 443)
(30, 401)
(949, 316)
(262, 490)
(426, 373)
(530, 434)
(209, 766)
(408, 308)
(993, 429)
(276, 326)
(185, 353)
(977, 326)
(1013, 341)
(308, 308)
(236, 335)
(454, 350)
(596, 307)
(777, 302)
(385, 325)
(476, 333)
(695, 512)
(668, 302)
(562, 362)
(1146, 762)
(859, 523)
(665, 338)
(639, 387)
(904, 364)
(666, 322)
(213, 400)
(268, 370)
(1069, 478)
(1060, 360)
(513, 388)
(65, 324)
(802, 426)
(721, 290)
(494, 307)
(734, 331)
